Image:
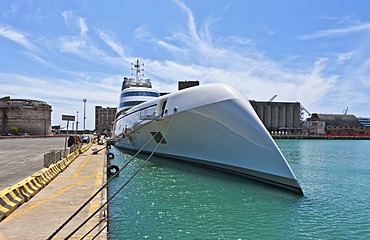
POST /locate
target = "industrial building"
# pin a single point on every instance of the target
(24, 116)
(104, 118)
(336, 125)
(279, 117)
(364, 121)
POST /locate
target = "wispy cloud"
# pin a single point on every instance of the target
(142, 34)
(343, 57)
(359, 27)
(38, 59)
(64, 95)
(16, 36)
(72, 45)
(112, 43)
(267, 29)
(67, 15)
(249, 69)
(83, 26)
(80, 43)
(12, 11)
(197, 54)
(71, 20)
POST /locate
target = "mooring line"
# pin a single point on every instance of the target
(92, 229)
(124, 185)
(106, 184)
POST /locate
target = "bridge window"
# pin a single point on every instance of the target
(140, 93)
(130, 103)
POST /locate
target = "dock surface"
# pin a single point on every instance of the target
(53, 205)
(21, 157)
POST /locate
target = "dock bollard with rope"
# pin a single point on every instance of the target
(106, 184)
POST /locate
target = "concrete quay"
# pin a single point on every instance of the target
(21, 157)
(79, 176)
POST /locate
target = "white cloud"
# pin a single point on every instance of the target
(112, 43)
(343, 57)
(83, 26)
(142, 34)
(359, 27)
(16, 36)
(267, 29)
(72, 45)
(197, 55)
(258, 77)
(240, 40)
(12, 11)
(192, 28)
(65, 95)
(67, 15)
(71, 20)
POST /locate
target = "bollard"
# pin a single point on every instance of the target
(10, 199)
(28, 188)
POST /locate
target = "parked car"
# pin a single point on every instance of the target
(85, 139)
(23, 134)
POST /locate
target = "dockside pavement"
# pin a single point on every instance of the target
(46, 211)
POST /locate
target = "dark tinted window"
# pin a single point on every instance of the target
(130, 103)
(140, 93)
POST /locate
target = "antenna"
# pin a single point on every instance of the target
(272, 99)
(137, 69)
(345, 111)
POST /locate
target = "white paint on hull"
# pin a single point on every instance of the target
(213, 125)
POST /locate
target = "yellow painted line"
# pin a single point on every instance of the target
(97, 185)
(51, 196)
(81, 167)
(95, 204)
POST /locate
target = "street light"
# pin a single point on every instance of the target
(84, 100)
(77, 123)
(75, 138)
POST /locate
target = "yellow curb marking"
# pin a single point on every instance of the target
(55, 194)
(81, 167)
(51, 196)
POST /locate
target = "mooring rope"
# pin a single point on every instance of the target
(92, 229)
(106, 184)
(125, 184)
(101, 230)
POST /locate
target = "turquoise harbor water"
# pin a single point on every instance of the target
(172, 200)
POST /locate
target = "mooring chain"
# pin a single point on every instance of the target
(106, 184)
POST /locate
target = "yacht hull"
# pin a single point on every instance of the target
(212, 125)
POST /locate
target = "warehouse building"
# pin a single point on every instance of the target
(364, 121)
(336, 125)
(104, 118)
(24, 116)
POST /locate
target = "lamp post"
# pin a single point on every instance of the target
(77, 123)
(76, 129)
(84, 100)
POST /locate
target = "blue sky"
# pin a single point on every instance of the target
(314, 52)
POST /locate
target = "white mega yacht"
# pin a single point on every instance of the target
(212, 124)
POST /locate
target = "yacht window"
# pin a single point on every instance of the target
(140, 93)
(130, 103)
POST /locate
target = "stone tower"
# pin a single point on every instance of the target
(25, 115)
